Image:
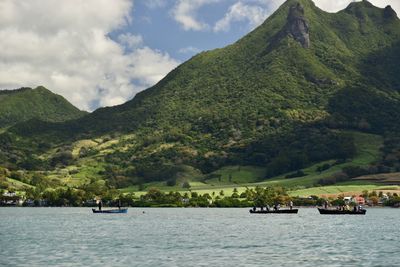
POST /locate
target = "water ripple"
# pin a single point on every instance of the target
(196, 237)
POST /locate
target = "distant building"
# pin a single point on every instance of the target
(9, 194)
(359, 200)
(385, 197)
(348, 199)
(10, 199)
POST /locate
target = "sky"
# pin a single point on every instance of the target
(100, 53)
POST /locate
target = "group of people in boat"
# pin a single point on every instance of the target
(345, 207)
(100, 204)
(276, 207)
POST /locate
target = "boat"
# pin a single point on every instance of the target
(111, 211)
(288, 211)
(342, 212)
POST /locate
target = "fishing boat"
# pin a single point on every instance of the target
(342, 212)
(288, 211)
(111, 211)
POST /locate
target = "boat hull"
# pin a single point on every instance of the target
(341, 212)
(111, 211)
(292, 211)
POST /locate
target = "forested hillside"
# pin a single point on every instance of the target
(284, 97)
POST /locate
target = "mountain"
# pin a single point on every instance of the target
(283, 97)
(297, 66)
(24, 104)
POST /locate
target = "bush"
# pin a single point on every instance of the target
(186, 185)
(335, 178)
(299, 173)
(171, 182)
(63, 157)
(323, 167)
(354, 171)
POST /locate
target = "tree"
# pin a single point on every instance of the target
(154, 194)
(235, 193)
(37, 179)
(63, 157)
(365, 194)
(374, 200)
(186, 185)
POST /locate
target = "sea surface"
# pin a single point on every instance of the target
(196, 237)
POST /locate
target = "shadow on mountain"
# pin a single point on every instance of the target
(374, 103)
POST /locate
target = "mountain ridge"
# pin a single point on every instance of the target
(21, 105)
(282, 97)
(310, 8)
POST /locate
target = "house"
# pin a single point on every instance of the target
(9, 194)
(347, 200)
(359, 200)
(10, 199)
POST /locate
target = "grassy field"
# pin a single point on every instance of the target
(237, 175)
(242, 177)
(17, 184)
(347, 190)
(226, 178)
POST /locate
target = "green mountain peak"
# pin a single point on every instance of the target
(23, 104)
(365, 9)
(390, 13)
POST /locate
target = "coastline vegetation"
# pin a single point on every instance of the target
(258, 197)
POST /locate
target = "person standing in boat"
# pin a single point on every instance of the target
(291, 204)
(100, 204)
(119, 204)
(326, 204)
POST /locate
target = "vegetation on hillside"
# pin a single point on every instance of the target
(274, 100)
(21, 105)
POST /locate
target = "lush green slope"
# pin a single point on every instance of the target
(230, 177)
(268, 79)
(24, 104)
(278, 99)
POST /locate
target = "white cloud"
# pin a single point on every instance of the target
(334, 6)
(130, 41)
(149, 66)
(185, 13)
(254, 12)
(64, 45)
(189, 50)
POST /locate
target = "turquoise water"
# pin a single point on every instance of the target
(196, 237)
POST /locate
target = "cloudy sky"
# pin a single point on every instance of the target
(102, 52)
